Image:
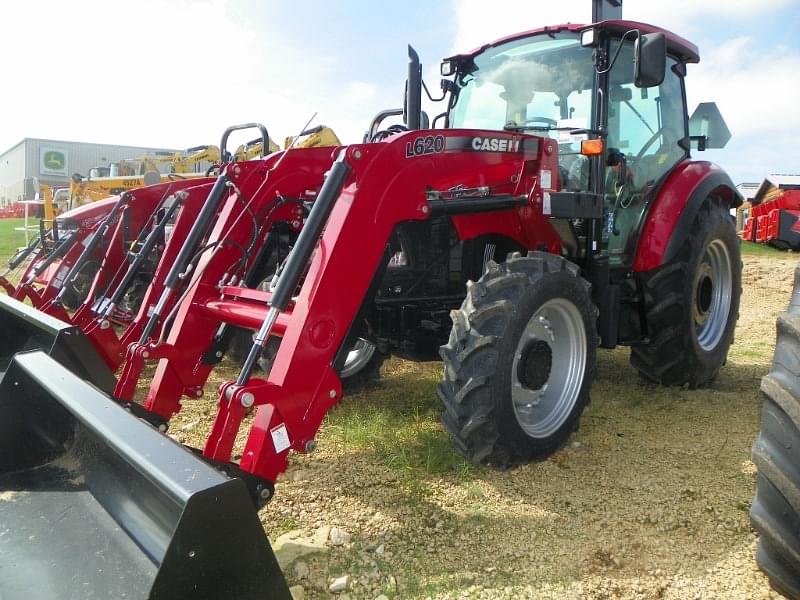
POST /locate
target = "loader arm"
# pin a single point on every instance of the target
(276, 196)
(389, 184)
(386, 187)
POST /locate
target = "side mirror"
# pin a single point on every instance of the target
(649, 60)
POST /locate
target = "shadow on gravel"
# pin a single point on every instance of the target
(657, 481)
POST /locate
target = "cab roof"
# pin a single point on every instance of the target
(676, 45)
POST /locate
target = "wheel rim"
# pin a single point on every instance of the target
(713, 288)
(548, 368)
(358, 357)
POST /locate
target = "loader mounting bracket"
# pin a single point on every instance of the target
(260, 490)
(140, 412)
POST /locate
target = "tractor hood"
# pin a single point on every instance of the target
(89, 213)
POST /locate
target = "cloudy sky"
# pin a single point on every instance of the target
(175, 74)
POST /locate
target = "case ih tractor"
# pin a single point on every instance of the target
(553, 210)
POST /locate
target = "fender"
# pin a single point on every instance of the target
(670, 219)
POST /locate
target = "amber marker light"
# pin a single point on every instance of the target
(592, 147)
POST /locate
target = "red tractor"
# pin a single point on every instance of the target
(553, 210)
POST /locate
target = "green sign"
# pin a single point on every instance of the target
(54, 160)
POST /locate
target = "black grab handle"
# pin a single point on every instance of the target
(264, 137)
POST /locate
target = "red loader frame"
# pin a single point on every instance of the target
(364, 192)
(273, 188)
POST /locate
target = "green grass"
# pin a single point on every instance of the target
(762, 250)
(399, 423)
(10, 240)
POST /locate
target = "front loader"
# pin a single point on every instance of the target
(535, 224)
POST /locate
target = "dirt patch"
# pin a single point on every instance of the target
(649, 499)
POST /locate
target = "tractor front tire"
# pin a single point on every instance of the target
(775, 512)
(520, 361)
(692, 304)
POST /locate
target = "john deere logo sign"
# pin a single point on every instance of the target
(53, 162)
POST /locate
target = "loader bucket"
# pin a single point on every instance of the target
(24, 328)
(95, 503)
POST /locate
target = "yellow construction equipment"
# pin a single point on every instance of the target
(90, 189)
(315, 137)
(178, 162)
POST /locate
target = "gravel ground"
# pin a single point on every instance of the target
(649, 499)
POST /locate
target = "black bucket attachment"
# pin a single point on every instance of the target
(95, 503)
(24, 328)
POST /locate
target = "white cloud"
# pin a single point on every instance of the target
(756, 91)
(171, 74)
(478, 22)
(691, 16)
(361, 91)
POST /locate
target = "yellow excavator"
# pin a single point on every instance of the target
(83, 190)
(321, 135)
(127, 174)
(179, 162)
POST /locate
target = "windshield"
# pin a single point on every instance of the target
(540, 83)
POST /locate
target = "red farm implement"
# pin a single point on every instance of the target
(775, 221)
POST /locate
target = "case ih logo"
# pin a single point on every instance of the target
(53, 162)
(495, 144)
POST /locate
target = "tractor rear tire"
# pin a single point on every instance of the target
(76, 292)
(520, 361)
(692, 304)
(775, 512)
(362, 368)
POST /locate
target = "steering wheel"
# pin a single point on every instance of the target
(388, 132)
(657, 134)
(546, 120)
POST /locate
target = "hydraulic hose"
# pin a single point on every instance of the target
(298, 258)
(198, 231)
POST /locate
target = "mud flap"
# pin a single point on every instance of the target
(95, 503)
(24, 328)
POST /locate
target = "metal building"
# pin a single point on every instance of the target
(54, 161)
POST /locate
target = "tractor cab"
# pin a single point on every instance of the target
(617, 82)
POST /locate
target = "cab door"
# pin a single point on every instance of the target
(647, 135)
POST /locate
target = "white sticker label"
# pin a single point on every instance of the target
(280, 438)
(566, 136)
(546, 204)
(547, 179)
(150, 310)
